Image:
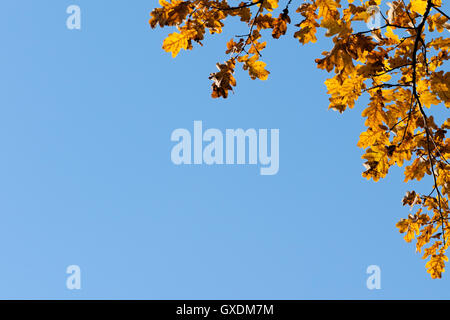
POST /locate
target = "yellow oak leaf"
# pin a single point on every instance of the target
(436, 265)
(327, 8)
(306, 34)
(273, 4)
(177, 41)
(268, 4)
(333, 27)
(257, 70)
(391, 35)
(419, 6)
(370, 137)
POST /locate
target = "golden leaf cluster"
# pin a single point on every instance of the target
(400, 65)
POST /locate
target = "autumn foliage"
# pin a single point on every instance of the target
(399, 65)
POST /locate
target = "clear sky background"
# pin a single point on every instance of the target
(86, 176)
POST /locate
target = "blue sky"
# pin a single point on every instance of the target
(86, 176)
